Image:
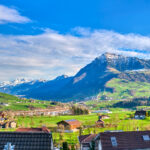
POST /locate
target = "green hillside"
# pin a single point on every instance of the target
(125, 89)
(10, 102)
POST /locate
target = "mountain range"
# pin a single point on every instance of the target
(88, 83)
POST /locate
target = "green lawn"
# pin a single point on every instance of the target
(117, 121)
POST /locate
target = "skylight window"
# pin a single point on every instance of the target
(146, 138)
(114, 141)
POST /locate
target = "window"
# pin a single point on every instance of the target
(113, 141)
(146, 137)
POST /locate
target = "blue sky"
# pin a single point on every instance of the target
(122, 16)
(44, 39)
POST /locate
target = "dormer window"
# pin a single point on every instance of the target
(146, 138)
(114, 141)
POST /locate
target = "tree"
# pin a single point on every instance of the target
(32, 122)
(65, 146)
(93, 145)
(80, 131)
(72, 147)
(61, 133)
(41, 122)
(76, 110)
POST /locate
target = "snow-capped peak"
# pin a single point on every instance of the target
(61, 77)
(15, 82)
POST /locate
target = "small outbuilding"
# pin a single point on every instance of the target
(104, 116)
(69, 124)
(99, 123)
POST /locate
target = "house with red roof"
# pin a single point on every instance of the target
(42, 129)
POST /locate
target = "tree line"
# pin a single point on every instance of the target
(76, 110)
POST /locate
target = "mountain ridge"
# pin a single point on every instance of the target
(89, 81)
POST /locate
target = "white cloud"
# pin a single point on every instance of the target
(51, 53)
(11, 15)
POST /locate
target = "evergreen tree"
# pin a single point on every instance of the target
(65, 146)
(93, 145)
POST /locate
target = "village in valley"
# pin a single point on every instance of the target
(74, 75)
(74, 126)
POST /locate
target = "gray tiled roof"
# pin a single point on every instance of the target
(26, 141)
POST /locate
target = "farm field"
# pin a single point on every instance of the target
(100, 104)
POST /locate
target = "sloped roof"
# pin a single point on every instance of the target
(87, 138)
(26, 140)
(43, 129)
(71, 122)
(140, 112)
(99, 121)
(125, 140)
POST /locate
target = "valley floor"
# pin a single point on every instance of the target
(119, 120)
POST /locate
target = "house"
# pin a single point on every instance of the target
(6, 122)
(140, 114)
(69, 124)
(4, 104)
(2, 114)
(99, 123)
(86, 141)
(26, 141)
(12, 124)
(130, 140)
(104, 116)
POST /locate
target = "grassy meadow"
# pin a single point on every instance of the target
(119, 120)
(16, 103)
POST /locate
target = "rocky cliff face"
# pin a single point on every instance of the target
(89, 81)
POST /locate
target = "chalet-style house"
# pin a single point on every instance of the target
(99, 123)
(131, 140)
(26, 141)
(69, 125)
(141, 114)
